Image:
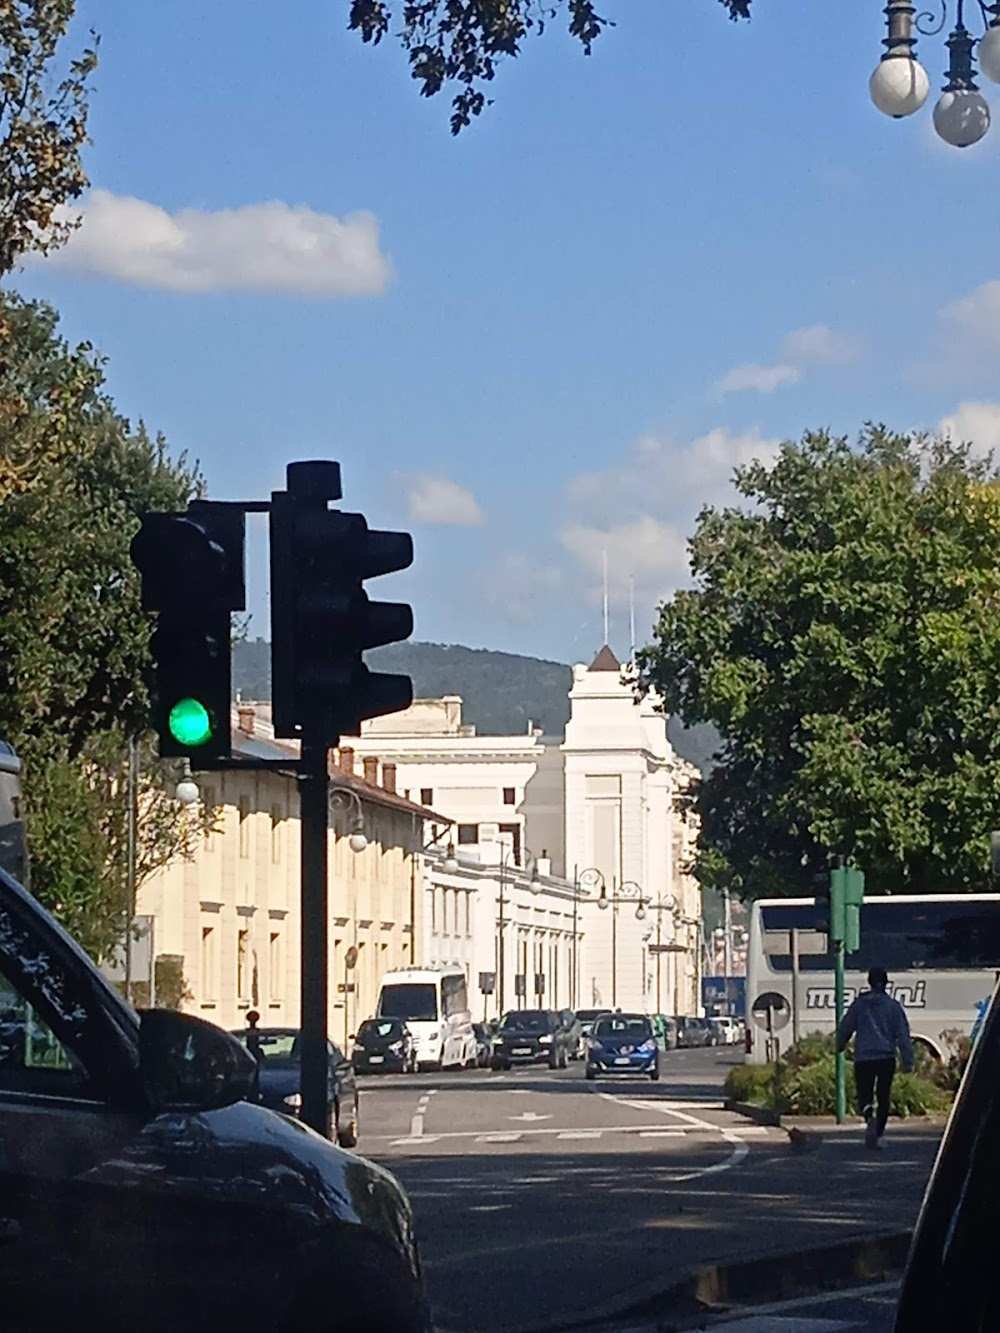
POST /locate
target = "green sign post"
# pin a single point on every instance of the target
(847, 892)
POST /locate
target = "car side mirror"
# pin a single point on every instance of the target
(187, 1064)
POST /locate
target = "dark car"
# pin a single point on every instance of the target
(623, 1044)
(384, 1046)
(277, 1051)
(484, 1044)
(139, 1189)
(573, 1029)
(530, 1036)
(693, 1032)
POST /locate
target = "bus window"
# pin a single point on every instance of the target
(454, 995)
(416, 1001)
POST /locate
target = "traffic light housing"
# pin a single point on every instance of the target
(192, 568)
(322, 620)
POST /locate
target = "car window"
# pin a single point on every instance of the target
(32, 1059)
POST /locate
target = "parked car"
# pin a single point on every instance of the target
(728, 1029)
(623, 1044)
(574, 1034)
(484, 1044)
(139, 1189)
(588, 1017)
(277, 1052)
(384, 1046)
(665, 1031)
(530, 1036)
(693, 1032)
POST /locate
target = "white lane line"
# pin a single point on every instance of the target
(688, 1131)
(740, 1150)
(497, 1138)
(579, 1134)
(663, 1133)
(420, 1139)
(417, 1123)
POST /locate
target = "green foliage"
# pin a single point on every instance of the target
(171, 987)
(842, 635)
(461, 43)
(913, 1095)
(74, 643)
(750, 1083)
(43, 126)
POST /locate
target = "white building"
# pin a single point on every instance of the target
(597, 808)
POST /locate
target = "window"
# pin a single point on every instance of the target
(454, 995)
(32, 1058)
(426, 795)
(275, 970)
(208, 971)
(243, 965)
(513, 832)
(468, 833)
(509, 796)
(244, 827)
(276, 816)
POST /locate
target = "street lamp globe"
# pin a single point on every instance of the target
(602, 901)
(640, 912)
(358, 842)
(961, 117)
(187, 792)
(989, 54)
(450, 860)
(899, 86)
(535, 884)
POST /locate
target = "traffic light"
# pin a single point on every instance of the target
(192, 567)
(854, 896)
(322, 620)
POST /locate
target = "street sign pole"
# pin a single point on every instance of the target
(838, 935)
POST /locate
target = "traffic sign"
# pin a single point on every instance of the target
(771, 1011)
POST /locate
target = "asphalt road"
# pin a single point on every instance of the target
(542, 1197)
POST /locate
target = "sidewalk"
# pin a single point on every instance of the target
(827, 1198)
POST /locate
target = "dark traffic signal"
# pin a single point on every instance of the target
(192, 567)
(322, 620)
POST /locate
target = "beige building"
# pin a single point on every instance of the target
(227, 918)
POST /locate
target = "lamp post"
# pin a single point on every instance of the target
(583, 879)
(667, 903)
(899, 85)
(340, 800)
(535, 885)
(619, 895)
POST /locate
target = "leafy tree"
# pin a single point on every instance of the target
(462, 41)
(43, 126)
(843, 635)
(74, 642)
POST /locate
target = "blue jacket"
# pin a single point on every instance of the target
(879, 1025)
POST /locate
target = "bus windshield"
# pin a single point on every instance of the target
(414, 1000)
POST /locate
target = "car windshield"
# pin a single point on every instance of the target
(415, 1001)
(376, 1030)
(526, 1020)
(621, 1027)
(273, 1046)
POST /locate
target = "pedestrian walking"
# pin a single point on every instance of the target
(879, 1026)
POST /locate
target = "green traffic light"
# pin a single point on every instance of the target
(190, 723)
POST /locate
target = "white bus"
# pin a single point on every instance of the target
(941, 951)
(434, 1003)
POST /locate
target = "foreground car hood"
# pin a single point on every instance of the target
(247, 1154)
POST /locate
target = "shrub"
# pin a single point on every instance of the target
(750, 1083)
(913, 1095)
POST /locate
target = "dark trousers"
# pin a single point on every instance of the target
(874, 1080)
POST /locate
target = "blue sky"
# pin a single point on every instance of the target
(552, 336)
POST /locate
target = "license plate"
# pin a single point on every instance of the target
(376, 1059)
(521, 1050)
(623, 1060)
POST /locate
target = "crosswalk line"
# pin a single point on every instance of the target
(498, 1138)
(662, 1133)
(414, 1139)
(579, 1134)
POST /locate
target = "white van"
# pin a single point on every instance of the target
(434, 1004)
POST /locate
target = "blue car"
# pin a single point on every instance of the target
(623, 1044)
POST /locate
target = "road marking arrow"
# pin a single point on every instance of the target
(529, 1115)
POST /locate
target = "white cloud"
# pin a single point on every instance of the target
(818, 345)
(812, 345)
(440, 502)
(972, 423)
(978, 314)
(522, 585)
(762, 379)
(267, 247)
(646, 550)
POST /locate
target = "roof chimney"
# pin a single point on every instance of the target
(347, 758)
(247, 715)
(389, 778)
(370, 765)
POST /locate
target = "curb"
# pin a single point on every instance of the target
(716, 1288)
(823, 1124)
(760, 1115)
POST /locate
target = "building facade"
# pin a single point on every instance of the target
(227, 919)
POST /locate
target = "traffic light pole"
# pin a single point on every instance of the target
(312, 783)
(838, 1000)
